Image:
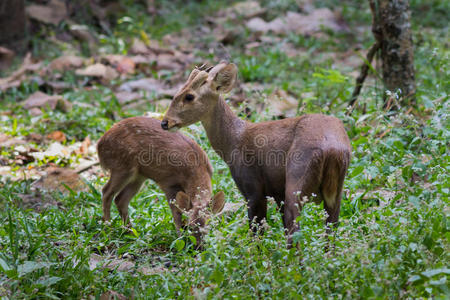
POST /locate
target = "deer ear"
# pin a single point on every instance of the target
(225, 78)
(218, 202)
(183, 202)
(193, 74)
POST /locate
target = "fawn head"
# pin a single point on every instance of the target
(200, 93)
(197, 213)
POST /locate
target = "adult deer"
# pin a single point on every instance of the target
(136, 149)
(289, 159)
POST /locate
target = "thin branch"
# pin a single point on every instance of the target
(85, 168)
(364, 70)
(376, 30)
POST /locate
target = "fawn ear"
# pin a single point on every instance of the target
(225, 77)
(218, 202)
(182, 201)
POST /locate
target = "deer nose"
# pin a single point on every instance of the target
(165, 124)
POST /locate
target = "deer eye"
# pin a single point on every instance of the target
(189, 98)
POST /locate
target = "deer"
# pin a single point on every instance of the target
(290, 160)
(136, 149)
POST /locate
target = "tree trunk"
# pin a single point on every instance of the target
(12, 24)
(396, 47)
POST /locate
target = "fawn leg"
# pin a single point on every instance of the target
(116, 183)
(123, 199)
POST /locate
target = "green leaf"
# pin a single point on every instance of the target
(414, 200)
(217, 276)
(193, 239)
(178, 245)
(7, 269)
(414, 278)
(434, 272)
(136, 234)
(297, 236)
(48, 281)
(357, 170)
(361, 140)
(276, 256)
(399, 146)
(428, 241)
(30, 266)
(4, 266)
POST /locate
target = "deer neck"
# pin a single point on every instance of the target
(224, 129)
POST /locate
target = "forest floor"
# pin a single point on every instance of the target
(294, 57)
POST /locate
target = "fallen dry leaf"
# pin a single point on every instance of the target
(279, 103)
(146, 84)
(126, 66)
(127, 97)
(225, 36)
(34, 137)
(55, 149)
(168, 62)
(245, 9)
(57, 86)
(40, 99)
(6, 57)
(35, 112)
(298, 23)
(85, 165)
(123, 64)
(84, 148)
(259, 25)
(96, 261)
(148, 47)
(52, 13)
(306, 6)
(98, 70)
(58, 178)
(143, 59)
(149, 84)
(138, 47)
(122, 265)
(8, 141)
(58, 136)
(112, 295)
(66, 62)
(83, 33)
(16, 78)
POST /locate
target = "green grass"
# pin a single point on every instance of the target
(393, 238)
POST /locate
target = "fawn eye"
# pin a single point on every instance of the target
(189, 98)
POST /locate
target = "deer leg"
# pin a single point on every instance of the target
(332, 205)
(303, 175)
(123, 199)
(280, 203)
(251, 187)
(331, 189)
(171, 193)
(257, 211)
(116, 183)
(333, 209)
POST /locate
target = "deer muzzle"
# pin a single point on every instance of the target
(168, 124)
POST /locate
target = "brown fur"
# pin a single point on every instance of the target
(136, 149)
(286, 159)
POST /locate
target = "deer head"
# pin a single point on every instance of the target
(197, 213)
(200, 93)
